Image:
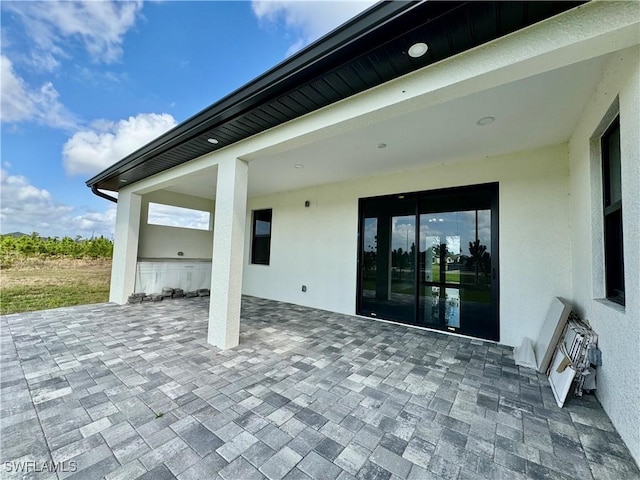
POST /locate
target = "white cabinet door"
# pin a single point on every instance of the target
(152, 277)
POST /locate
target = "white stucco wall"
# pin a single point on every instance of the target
(158, 241)
(618, 328)
(125, 246)
(317, 246)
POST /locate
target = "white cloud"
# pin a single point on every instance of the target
(21, 103)
(41, 61)
(171, 216)
(306, 21)
(96, 148)
(100, 77)
(96, 223)
(99, 26)
(53, 30)
(26, 208)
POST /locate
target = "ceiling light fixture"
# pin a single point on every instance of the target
(484, 121)
(298, 165)
(418, 49)
(213, 140)
(382, 145)
(122, 180)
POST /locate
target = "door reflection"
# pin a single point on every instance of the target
(455, 268)
(442, 306)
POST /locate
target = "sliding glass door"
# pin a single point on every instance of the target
(388, 260)
(430, 259)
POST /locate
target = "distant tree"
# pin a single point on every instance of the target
(479, 260)
(441, 247)
(412, 257)
(34, 245)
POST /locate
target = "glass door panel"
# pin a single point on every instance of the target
(477, 278)
(456, 271)
(402, 289)
(388, 259)
(369, 268)
(440, 254)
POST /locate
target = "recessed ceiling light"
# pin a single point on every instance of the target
(418, 49)
(298, 165)
(122, 180)
(382, 145)
(213, 140)
(485, 121)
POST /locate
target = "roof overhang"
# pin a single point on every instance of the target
(365, 52)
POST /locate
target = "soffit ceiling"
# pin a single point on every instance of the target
(534, 112)
(367, 51)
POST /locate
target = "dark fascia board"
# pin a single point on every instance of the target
(372, 18)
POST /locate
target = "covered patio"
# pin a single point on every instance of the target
(135, 391)
(505, 132)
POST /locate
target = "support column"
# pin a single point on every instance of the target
(228, 253)
(125, 249)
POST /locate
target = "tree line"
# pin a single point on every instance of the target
(36, 246)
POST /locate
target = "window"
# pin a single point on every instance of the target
(612, 196)
(261, 246)
(170, 216)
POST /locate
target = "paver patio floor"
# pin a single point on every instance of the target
(135, 392)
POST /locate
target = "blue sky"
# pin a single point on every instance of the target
(86, 83)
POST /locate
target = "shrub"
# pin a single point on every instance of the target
(13, 248)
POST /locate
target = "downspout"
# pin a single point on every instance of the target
(95, 190)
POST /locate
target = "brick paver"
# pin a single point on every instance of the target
(136, 392)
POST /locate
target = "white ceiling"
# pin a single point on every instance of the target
(534, 112)
(199, 184)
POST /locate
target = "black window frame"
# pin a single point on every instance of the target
(612, 218)
(260, 242)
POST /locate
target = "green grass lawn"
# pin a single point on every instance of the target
(39, 284)
(406, 284)
(469, 291)
(452, 276)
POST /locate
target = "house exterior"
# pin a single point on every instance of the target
(447, 165)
